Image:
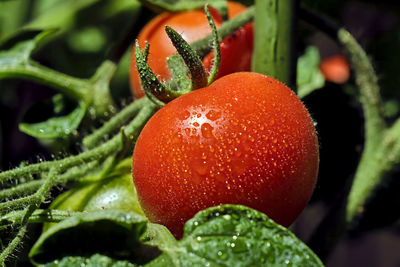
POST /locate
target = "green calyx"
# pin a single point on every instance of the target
(188, 62)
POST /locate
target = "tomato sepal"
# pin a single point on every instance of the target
(191, 59)
(154, 89)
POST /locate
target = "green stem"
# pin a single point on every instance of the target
(379, 143)
(96, 154)
(94, 92)
(30, 187)
(100, 93)
(16, 203)
(273, 39)
(132, 129)
(202, 47)
(20, 190)
(25, 170)
(70, 86)
(38, 216)
(39, 197)
(373, 166)
(13, 244)
(367, 82)
(114, 123)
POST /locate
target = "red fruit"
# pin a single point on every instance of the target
(246, 139)
(335, 69)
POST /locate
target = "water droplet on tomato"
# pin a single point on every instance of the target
(187, 131)
(213, 115)
(185, 115)
(206, 130)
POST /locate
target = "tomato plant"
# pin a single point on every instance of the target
(246, 139)
(236, 49)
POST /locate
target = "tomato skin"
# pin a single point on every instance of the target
(246, 139)
(335, 69)
(236, 50)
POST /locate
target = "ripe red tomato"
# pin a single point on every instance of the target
(246, 139)
(236, 49)
(335, 69)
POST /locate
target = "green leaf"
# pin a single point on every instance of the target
(309, 77)
(231, 235)
(95, 260)
(58, 126)
(114, 232)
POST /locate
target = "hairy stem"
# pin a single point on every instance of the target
(367, 82)
(13, 244)
(39, 197)
(30, 187)
(371, 170)
(38, 216)
(114, 123)
(95, 154)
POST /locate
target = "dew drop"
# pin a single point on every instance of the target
(195, 245)
(221, 255)
(239, 246)
(187, 131)
(213, 115)
(206, 130)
